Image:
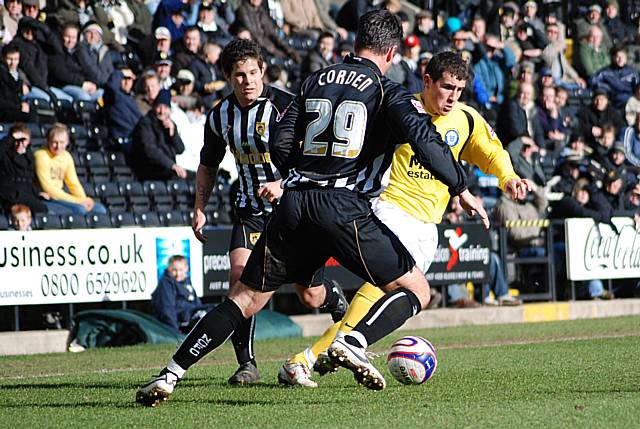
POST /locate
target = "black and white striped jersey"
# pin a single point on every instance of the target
(246, 130)
(341, 131)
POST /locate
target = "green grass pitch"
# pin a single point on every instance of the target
(573, 374)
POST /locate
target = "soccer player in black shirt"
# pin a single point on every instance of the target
(336, 142)
(244, 121)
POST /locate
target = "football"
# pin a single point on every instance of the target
(412, 360)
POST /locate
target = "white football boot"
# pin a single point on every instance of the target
(296, 374)
(354, 359)
(158, 389)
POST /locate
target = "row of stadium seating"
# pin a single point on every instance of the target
(121, 220)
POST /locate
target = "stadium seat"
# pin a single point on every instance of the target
(161, 199)
(38, 142)
(172, 218)
(148, 219)
(47, 221)
(109, 193)
(187, 216)
(104, 190)
(131, 189)
(116, 159)
(82, 173)
(181, 193)
(4, 130)
(4, 222)
(98, 221)
(124, 219)
(97, 167)
(73, 221)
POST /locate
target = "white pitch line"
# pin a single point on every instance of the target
(449, 347)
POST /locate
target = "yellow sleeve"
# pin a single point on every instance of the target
(485, 150)
(44, 165)
(71, 178)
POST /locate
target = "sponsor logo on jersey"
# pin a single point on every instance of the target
(418, 106)
(261, 128)
(253, 238)
(252, 158)
(451, 138)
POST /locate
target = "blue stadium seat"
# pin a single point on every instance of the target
(123, 219)
(172, 218)
(161, 199)
(4, 222)
(98, 221)
(181, 193)
(148, 219)
(47, 221)
(73, 221)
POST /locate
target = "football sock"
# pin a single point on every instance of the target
(363, 300)
(331, 296)
(361, 303)
(325, 339)
(242, 340)
(173, 367)
(387, 315)
(209, 333)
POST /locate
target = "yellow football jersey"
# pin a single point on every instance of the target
(413, 188)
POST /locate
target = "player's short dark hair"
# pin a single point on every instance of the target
(240, 50)
(449, 62)
(378, 31)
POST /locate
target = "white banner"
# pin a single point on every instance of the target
(91, 265)
(597, 251)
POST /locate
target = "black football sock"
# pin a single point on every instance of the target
(209, 333)
(242, 340)
(332, 296)
(387, 315)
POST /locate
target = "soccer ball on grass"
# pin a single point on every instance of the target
(412, 360)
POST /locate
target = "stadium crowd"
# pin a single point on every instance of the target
(103, 103)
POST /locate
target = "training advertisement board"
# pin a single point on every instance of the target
(82, 265)
(463, 254)
(598, 251)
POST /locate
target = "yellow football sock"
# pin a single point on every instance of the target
(309, 355)
(360, 305)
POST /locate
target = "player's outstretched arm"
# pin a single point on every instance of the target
(518, 188)
(473, 206)
(205, 181)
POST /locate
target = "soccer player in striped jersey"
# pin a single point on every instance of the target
(244, 122)
(414, 201)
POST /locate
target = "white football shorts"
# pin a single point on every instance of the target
(420, 238)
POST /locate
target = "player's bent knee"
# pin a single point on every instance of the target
(250, 301)
(415, 281)
(311, 297)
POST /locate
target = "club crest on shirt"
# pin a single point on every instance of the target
(418, 106)
(253, 238)
(261, 128)
(451, 138)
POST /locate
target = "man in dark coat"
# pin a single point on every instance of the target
(252, 16)
(156, 143)
(12, 108)
(18, 178)
(122, 111)
(321, 56)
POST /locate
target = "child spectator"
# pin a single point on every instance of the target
(21, 217)
(175, 301)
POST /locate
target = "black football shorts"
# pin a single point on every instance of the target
(312, 225)
(247, 229)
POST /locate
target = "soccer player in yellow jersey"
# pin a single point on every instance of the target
(414, 202)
